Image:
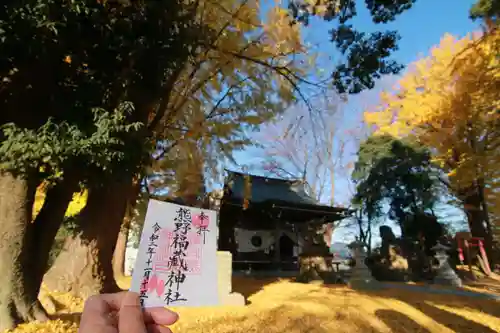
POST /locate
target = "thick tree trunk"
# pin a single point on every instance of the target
(478, 223)
(84, 266)
(18, 296)
(46, 224)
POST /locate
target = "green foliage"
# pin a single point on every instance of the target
(366, 55)
(485, 9)
(50, 146)
(64, 64)
(399, 172)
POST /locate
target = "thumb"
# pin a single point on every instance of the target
(130, 317)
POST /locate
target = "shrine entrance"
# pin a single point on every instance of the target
(269, 224)
(286, 247)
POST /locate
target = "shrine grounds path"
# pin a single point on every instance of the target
(282, 306)
(442, 291)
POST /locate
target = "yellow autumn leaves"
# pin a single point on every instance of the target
(450, 102)
(245, 53)
(321, 6)
(284, 306)
(246, 76)
(76, 205)
(249, 70)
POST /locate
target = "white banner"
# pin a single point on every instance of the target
(244, 238)
(266, 240)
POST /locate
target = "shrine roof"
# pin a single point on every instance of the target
(279, 193)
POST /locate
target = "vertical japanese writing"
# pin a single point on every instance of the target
(147, 270)
(177, 262)
(202, 225)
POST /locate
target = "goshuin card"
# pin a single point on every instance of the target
(176, 263)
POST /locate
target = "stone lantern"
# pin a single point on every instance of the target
(361, 276)
(445, 275)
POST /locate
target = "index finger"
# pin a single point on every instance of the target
(153, 315)
(114, 302)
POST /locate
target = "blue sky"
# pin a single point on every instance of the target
(420, 28)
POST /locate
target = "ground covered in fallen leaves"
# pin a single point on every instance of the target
(277, 306)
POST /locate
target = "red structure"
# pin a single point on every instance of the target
(465, 242)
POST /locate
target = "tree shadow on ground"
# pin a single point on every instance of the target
(396, 320)
(451, 320)
(480, 281)
(428, 304)
(486, 286)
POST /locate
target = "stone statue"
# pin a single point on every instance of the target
(316, 239)
(422, 232)
(388, 239)
(315, 261)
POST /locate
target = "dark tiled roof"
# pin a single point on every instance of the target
(286, 194)
(268, 189)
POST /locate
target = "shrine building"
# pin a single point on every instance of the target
(269, 223)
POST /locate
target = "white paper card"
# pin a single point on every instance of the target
(176, 263)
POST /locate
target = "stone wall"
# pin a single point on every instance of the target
(224, 277)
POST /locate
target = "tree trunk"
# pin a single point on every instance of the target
(479, 227)
(84, 266)
(369, 237)
(46, 224)
(18, 298)
(489, 230)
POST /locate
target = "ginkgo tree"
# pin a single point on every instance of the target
(243, 76)
(449, 101)
(220, 102)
